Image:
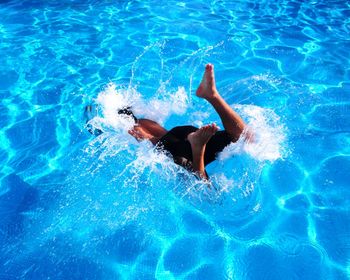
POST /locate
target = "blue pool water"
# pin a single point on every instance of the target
(74, 206)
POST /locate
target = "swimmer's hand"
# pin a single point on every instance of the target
(140, 134)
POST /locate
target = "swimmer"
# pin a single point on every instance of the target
(191, 147)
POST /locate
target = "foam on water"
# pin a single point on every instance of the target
(159, 109)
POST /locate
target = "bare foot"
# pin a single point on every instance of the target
(200, 138)
(207, 87)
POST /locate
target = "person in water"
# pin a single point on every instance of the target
(191, 147)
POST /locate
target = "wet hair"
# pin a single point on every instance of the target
(127, 111)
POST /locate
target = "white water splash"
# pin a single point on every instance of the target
(269, 135)
(139, 165)
(112, 99)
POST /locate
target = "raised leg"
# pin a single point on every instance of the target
(199, 140)
(232, 122)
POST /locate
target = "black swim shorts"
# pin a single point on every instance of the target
(176, 143)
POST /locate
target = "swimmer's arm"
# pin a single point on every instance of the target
(141, 134)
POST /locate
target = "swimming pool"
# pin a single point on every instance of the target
(74, 206)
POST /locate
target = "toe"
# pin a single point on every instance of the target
(214, 128)
(207, 127)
